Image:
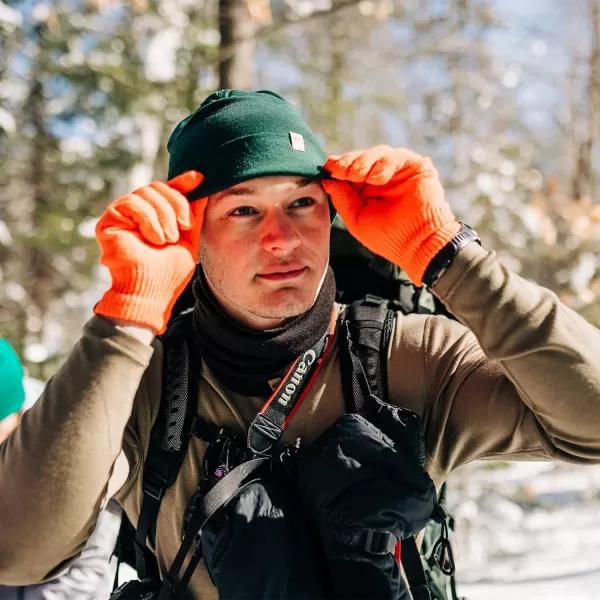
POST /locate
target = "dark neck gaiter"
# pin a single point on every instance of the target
(245, 360)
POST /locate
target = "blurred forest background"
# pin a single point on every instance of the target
(504, 96)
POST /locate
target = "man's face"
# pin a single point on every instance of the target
(264, 248)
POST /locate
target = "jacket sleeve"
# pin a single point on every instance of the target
(64, 461)
(91, 575)
(519, 379)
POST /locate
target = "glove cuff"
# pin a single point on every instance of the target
(416, 255)
(140, 299)
(429, 249)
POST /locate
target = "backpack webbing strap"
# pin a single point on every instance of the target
(168, 442)
(368, 324)
(413, 567)
(366, 329)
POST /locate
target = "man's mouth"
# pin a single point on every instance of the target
(281, 273)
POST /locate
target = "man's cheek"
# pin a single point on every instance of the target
(201, 258)
(317, 240)
(238, 253)
(211, 248)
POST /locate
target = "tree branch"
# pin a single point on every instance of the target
(228, 51)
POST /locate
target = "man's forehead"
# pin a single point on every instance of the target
(256, 186)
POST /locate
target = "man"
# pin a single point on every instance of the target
(90, 576)
(248, 198)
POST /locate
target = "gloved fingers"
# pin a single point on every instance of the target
(358, 171)
(192, 235)
(197, 208)
(165, 211)
(338, 165)
(377, 165)
(178, 202)
(186, 182)
(345, 200)
(133, 213)
(390, 164)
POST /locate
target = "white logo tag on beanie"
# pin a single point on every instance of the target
(297, 141)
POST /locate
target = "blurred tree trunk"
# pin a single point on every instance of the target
(574, 165)
(589, 146)
(334, 82)
(236, 60)
(38, 280)
(456, 69)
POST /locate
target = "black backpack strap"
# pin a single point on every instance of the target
(168, 439)
(413, 567)
(366, 334)
(366, 331)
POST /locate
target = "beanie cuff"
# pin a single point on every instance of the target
(258, 155)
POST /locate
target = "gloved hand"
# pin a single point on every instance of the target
(392, 201)
(149, 241)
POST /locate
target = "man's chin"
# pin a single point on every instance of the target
(283, 304)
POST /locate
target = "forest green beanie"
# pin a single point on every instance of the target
(12, 392)
(235, 136)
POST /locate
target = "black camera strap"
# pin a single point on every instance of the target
(264, 432)
(269, 424)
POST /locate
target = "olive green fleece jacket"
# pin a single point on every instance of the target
(519, 379)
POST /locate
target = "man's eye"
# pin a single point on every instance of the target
(302, 202)
(242, 211)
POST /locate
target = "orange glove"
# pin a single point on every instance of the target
(392, 201)
(149, 241)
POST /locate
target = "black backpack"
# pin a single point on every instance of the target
(369, 321)
(358, 274)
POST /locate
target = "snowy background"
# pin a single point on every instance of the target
(527, 530)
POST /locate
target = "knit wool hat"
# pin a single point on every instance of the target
(12, 392)
(235, 136)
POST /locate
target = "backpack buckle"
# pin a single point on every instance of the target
(378, 542)
(154, 486)
(372, 300)
(205, 431)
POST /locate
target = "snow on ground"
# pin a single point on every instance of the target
(527, 531)
(578, 587)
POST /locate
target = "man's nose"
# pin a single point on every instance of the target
(279, 235)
